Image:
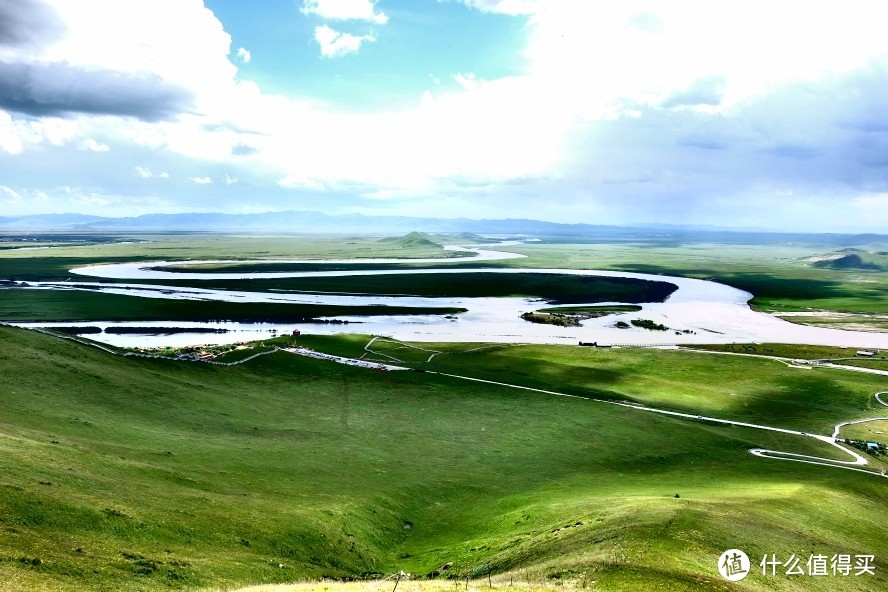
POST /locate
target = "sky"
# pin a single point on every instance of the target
(736, 114)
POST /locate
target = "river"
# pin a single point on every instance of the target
(698, 311)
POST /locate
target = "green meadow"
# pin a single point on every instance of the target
(557, 288)
(121, 473)
(80, 305)
(142, 474)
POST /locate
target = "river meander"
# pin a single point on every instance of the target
(698, 311)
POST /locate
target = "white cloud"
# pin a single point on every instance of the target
(229, 180)
(10, 139)
(466, 81)
(9, 193)
(512, 7)
(341, 10)
(244, 55)
(145, 173)
(336, 44)
(602, 57)
(91, 145)
(201, 180)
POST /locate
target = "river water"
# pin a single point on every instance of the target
(697, 312)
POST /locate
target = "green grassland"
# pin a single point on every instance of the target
(53, 264)
(784, 350)
(871, 431)
(853, 259)
(551, 286)
(78, 305)
(730, 387)
(146, 474)
(837, 355)
(142, 474)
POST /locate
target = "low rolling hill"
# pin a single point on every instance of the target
(412, 240)
(853, 260)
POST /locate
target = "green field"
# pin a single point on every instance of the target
(871, 431)
(53, 264)
(78, 305)
(558, 289)
(835, 355)
(136, 474)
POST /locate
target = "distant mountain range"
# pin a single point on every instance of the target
(317, 222)
(291, 221)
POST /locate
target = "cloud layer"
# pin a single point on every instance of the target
(684, 111)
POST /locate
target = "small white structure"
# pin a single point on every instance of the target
(865, 353)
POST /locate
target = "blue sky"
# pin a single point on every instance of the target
(750, 114)
(414, 51)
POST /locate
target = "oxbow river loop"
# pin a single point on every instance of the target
(699, 311)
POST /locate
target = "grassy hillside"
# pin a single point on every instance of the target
(135, 474)
(412, 240)
(853, 259)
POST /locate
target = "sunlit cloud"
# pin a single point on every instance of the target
(334, 44)
(342, 10)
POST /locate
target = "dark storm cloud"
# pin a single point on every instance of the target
(706, 91)
(27, 23)
(59, 89)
